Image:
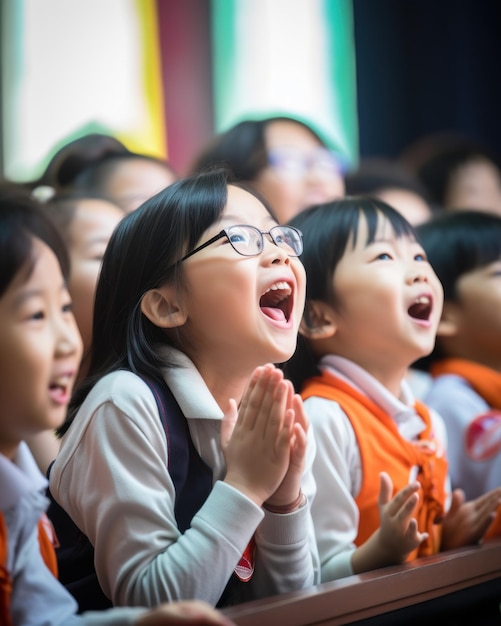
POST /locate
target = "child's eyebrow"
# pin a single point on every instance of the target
(382, 240)
(26, 294)
(395, 237)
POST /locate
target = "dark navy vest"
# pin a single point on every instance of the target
(192, 479)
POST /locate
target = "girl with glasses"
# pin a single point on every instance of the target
(40, 351)
(199, 293)
(283, 159)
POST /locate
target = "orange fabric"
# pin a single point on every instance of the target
(5, 579)
(484, 380)
(382, 448)
(487, 383)
(494, 529)
(46, 540)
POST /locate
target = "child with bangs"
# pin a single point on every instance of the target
(373, 306)
(464, 249)
(185, 461)
(40, 352)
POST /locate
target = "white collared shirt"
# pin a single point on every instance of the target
(37, 597)
(337, 467)
(111, 477)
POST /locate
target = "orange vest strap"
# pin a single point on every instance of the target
(484, 380)
(46, 540)
(382, 448)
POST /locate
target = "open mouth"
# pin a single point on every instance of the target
(59, 390)
(276, 302)
(421, 308)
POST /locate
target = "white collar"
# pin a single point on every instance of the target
(188, 387)
(19, 477)
(402, 412)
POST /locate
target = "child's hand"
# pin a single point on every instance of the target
(466, 522)
(289, 488)
(397, 535)
(188, 613)
(398, 532)
(257, 445)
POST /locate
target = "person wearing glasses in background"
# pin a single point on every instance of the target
(200, 291)
(281, 158)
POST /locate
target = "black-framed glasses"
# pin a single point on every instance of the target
(249, 240)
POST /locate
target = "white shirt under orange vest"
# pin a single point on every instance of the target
(338, 467)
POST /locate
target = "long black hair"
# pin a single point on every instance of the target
(142, 255)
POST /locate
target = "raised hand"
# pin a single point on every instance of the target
(289, 488)
(398, 534)
(466, 522)
(257, 445)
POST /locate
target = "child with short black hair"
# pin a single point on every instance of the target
(373, 306)
(464, 249)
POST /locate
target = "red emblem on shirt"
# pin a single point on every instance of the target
(483, 436)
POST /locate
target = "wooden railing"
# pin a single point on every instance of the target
(465, 575)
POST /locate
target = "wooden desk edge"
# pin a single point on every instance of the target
(377, 592)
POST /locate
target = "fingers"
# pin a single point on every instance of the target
(299, 444)
(257, 394)
(413, 533)
(488, 501)
(485, 508)
(189, 612)
(299, 411)
(259, 449)
(458, 499)
(385, 488)
(228, 423)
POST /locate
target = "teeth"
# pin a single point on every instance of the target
(279, 286)
(60, 382)
(422, 300)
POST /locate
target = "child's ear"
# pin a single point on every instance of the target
(318, 320)
(449, 322)
(163, 308)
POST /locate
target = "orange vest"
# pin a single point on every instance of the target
(382, 448)
(487, 383)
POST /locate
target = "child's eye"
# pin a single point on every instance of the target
(420, 256)
(38, 315)
(384, 256)
(237, 238)
(68, 308)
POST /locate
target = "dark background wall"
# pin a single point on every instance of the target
(426, 66)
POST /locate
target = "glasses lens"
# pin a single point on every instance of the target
(287, 162)
(288, 238)
(327, 162)
(246, 240)
(294, 164)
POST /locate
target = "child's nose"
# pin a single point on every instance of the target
(275, 253)
(69, 340)
(417, 277)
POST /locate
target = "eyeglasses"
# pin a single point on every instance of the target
(293, 164)
(249, 241)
